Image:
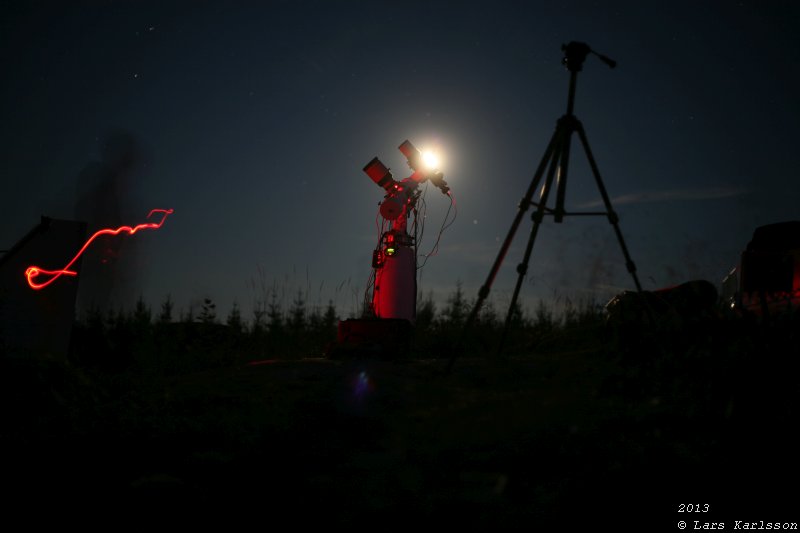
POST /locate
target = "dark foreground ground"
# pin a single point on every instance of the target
(555, 439)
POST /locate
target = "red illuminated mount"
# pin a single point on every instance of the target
(394, 260)
(32, 272)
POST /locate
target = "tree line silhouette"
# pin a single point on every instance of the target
(167, 342)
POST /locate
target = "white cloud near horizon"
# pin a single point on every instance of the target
(710, 193)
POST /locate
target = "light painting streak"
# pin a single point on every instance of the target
(32, 272)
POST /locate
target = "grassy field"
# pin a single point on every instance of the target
(570, 428)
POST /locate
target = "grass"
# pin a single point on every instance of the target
(572, 427)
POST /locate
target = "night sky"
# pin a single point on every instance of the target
(253, 122)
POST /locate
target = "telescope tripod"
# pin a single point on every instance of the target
(556, 164)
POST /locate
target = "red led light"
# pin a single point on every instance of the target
(34, 271)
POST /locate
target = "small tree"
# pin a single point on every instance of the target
(141, 314)
(234, 320)
(165, 316)
(314, 321)
(94, 319)
(457, 307)
(330, 319)
(188, 318)
(487, 316)
(208, 315)
(297, 314)
(426, 312)
(274, 314)
(543, 318)
(259, 315)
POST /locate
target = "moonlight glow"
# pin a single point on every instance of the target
(431, 160)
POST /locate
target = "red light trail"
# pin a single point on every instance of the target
(33, 272)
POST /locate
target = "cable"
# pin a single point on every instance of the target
(445, 225)
(420, 214)
(381, 227)
(367, 304)
(424, 212)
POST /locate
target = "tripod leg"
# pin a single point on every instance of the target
(567, 124)
(524, 204)
(556, 163)
(612, 215)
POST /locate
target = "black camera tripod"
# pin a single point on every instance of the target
(556, 161)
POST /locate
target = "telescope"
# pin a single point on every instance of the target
(394, 259)
(390, 300)
(399, 195)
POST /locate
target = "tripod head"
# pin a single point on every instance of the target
(575, 54)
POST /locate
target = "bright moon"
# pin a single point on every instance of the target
(431, 160)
